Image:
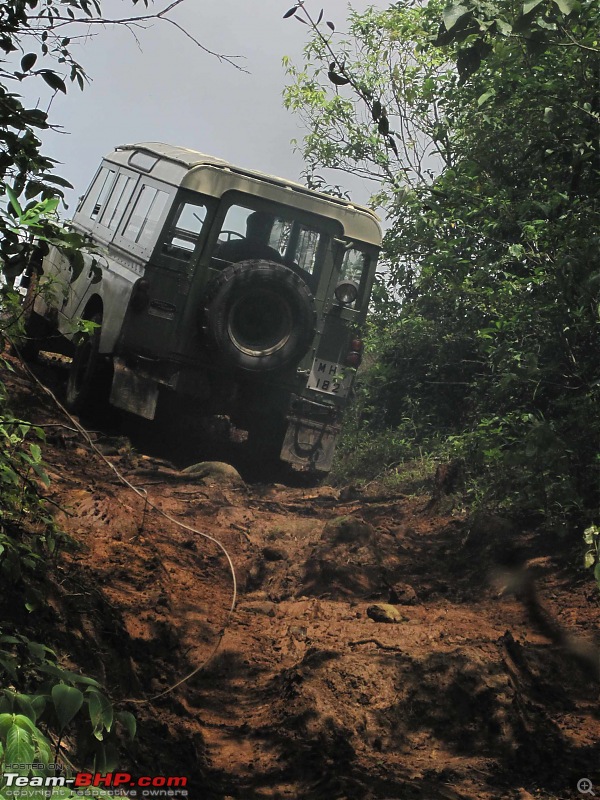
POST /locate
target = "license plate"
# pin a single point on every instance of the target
(329, 377)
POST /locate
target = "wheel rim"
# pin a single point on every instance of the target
(260, 323)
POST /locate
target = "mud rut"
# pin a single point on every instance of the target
(308, 696)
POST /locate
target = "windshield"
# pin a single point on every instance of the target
(276, 235)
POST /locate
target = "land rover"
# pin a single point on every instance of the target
(218, 290)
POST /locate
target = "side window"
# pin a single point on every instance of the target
(235, 224)
(146, 213)
(184, 232)
(96, 198)
(117, 202)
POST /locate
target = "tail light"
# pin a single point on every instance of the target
(355, 353)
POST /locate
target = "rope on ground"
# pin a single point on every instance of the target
(148, 504)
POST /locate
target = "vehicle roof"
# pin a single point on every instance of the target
(181, 166)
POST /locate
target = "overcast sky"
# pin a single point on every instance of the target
(168, 90)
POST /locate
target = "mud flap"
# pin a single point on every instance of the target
(309, 444)
(133, 392)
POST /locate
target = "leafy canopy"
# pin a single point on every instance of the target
(486, 338)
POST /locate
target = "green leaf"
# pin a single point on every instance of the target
(566, 6)
(53, 80)
(38, 703)
(83, 679)
(67, 702)
(24, 705)
(101, 712)
(453, 14)
(504, 27)
(9, 664)
(129, 722)
(10, 640)
(13, 201)
(77, 262)
(19, 746)
(529, 6)
(39, 651)
(589, 559)
(6, 721)
(28, 61)
(57, 180)
(24, 722)
(597, 572)
(590, 534)
(485, 97)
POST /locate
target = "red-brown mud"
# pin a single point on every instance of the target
(308, 695)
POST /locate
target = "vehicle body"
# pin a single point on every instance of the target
(190, 309)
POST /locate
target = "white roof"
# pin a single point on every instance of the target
(359, 222)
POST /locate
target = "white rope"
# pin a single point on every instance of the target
(144, 496)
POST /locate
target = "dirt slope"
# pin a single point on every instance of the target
(310, 694)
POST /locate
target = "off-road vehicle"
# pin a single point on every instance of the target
(218, 290)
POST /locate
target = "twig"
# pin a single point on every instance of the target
(376, 642)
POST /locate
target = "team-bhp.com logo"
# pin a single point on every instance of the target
(120, 784)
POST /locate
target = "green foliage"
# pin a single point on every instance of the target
(486, 342)
(59, 704)
(591, 537)
(36, 40)
(381, 64)
(29, 537)
(40, 702)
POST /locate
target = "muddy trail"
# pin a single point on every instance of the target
(373, 652)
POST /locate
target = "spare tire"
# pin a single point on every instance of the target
(260, 315)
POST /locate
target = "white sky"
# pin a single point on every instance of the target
(171, 91)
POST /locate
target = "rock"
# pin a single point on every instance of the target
(402, 594)
(267, 609)
(114, 445)
(349, 493)
(108, 449)
(298, 632)
(274, 554)
(384, 612)
(448, 478)
(347, 529)
(214, 472)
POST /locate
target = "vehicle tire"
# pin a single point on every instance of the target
(87, 383)
(260, 316)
